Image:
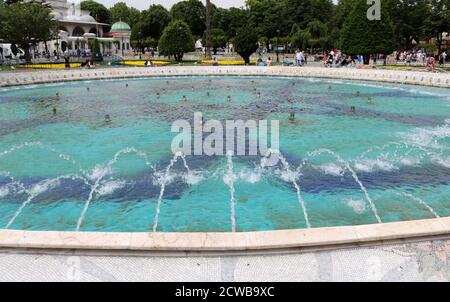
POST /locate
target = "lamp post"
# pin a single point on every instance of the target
(139, 45)
(208, 29)
(277, 46)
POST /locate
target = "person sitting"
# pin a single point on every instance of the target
(431, 64)
(269, 61)
(260, 62)
(214, 62)
(286, 62)
(148, 63)
(85, 63)
(91, 64)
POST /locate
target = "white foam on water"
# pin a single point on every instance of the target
(424, 92)
(428, 137)
(287, 175)
(161, 177)
(409, 161)
(97, 175)
(4, 191)
(99, 172)
(354, 175)
(330, 169)
(250, 176)
(43, 186)
(194, 177)
(230, 178)
(399, 88)
(109, 187)
(36, 190)
(371, 165)
(358, 206)
(442, 160)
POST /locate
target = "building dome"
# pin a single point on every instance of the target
(87, 18)
(120, 27)
(83, 18)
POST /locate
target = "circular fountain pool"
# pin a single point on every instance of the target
(96, 156)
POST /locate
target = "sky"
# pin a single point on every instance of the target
(144, 4)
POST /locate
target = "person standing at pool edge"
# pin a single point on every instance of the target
(66, 60)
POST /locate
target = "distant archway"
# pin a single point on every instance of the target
(77, 32)
(63, 29)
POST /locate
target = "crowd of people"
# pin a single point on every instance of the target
(419, 56)
(336, 58)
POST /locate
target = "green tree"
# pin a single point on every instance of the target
(314, 35)
(246, 42)
(176, 40)
(409, 21)
(97, 11)
(154, 20)
(22, 23)
(343, 9)
(192, 12)
(270, 17)
(304, 11)
(218, 39)
(230, 20)
(362, 36)
(438, 20)
(120, 11)
(299, 38)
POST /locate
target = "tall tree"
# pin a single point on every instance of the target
(246, 42)
(270, 17)
(120, 11)
(154, 20)
(304, 11)
(97, 10)
(230, 20)
(438, 21)
(409, 21)
(22, 23)
(193, 13)
(176, 40)
(299, 38)
(217, 38)
(208, 13)
(365, 37)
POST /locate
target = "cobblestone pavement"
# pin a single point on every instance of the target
(424, 261)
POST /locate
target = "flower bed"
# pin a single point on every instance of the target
(228, 62)
(142, 63)
(49, 66)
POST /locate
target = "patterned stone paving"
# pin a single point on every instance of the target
(422, 261)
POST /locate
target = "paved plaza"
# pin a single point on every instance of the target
(421, 261)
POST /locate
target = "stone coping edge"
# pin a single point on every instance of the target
(380, 75)
(320, 238)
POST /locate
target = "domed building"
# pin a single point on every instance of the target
(121, 33)
(76, 28)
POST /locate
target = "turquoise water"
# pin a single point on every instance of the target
(71, 169)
